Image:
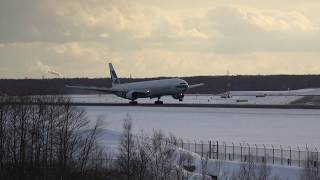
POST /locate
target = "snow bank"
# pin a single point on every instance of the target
(225, 169)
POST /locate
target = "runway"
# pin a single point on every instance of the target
(182, 105)
(194, 101)
(260, 106)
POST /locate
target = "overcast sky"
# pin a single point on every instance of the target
(158, 38)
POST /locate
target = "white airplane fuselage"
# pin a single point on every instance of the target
(155, 88)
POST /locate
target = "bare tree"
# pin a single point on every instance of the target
(127, 150)
(247, 169)
(311, 168)
(204, 166)
(161, 153)
(88, 145)
(263, 171)
(142, 160)
(41, 140)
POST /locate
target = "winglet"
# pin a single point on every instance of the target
(113, 74)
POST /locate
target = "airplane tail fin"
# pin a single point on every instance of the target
(113, 74)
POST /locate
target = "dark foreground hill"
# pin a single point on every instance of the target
(214, 84)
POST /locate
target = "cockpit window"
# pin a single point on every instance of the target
(183, 83)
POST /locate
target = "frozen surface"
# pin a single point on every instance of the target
(196, 99)
(299, 92)
(225, 169)
(254, 126)
(261, 126)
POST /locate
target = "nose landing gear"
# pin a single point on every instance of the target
(133, 102)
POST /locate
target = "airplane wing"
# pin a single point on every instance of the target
(300, 92)
(196, 85)
(91, 88)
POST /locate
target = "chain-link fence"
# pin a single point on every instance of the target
(259, 153)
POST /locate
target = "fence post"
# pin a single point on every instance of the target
(281, 155)
(265, 154)
(272, 154)
(217, 150)
(249, 152)
(232, 151)
(256, 153)
(307, 158)
(225, 150)
(299, 155)
(317, 157)
(209, 149)
(241, 151)
(214, 150)
(290, 156)
(195, 146)
(181, 143)
(189, 145)
(201, 148)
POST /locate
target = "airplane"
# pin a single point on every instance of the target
(174, 87)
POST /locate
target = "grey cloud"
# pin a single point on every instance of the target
(125, 23)
(43, 21)
(76, 37)
(240, 32)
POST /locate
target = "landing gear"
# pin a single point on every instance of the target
(133, 102)
(158, 101)
(179, 96)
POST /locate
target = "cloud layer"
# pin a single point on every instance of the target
(147, 38)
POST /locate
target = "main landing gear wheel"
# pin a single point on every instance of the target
(158, 101)
(133, 102)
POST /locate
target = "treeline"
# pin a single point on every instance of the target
(214, 84)
(45, 142)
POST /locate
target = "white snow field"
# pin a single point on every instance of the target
(196, 99)
(254, 126)
(286, 127)
(222, 169)
(225, 169)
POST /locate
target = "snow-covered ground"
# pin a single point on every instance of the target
(276, 127)
(276, 171)
(255, 126)
(284, 127)
(222, 169)
(196, 99)
(298, 92)
(225, 169)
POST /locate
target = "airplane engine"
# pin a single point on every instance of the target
(132, 95)
(179, 96)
